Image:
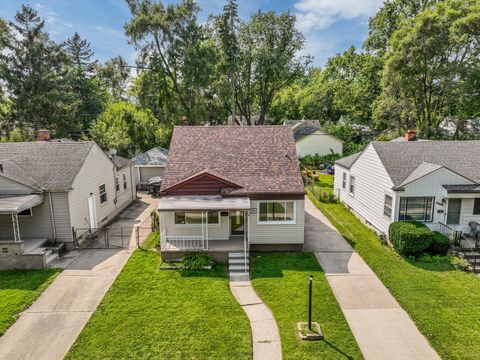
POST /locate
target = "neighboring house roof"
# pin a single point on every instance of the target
(405, 161)
(302, 128)
(259, 159)
(300, 133)
(118, 160)
(469, 188)
(347, 161)
(155, 156)
(50, 165)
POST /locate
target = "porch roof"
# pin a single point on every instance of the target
(11, 204)
(203, 202)
(463, 189)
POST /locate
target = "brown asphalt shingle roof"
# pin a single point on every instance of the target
(260, 159)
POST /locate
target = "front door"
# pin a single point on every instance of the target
(454, 211)
(237, 226)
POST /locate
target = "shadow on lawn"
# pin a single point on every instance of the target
(337, 349)
(272, 265)
(218, 270)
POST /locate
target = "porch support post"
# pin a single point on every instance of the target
(206, 227)
(203, 234)
(245, 216)
(16, 228)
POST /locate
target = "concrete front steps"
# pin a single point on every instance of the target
(236, 266)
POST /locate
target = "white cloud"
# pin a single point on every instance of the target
(46, 13)
(319, 14)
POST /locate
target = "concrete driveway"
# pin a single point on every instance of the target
(383, 330)
(50, 326)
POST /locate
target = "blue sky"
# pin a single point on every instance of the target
(329, 26)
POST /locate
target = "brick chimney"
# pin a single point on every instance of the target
(43, 135)
(411, 135)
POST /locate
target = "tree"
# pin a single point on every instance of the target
(128, 129)
(173, 45)
(429, 64)
(390, 18)
(32, 68)
(114, 75)
(262, 55)
(80, 54)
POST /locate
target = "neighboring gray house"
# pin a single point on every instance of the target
(311, 139)
(49, 189)
(436, 182)
(150, 164)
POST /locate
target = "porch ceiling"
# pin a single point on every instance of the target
(203, 202)
(11, 204)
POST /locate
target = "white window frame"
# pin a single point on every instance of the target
(350, 191)
(276, 222)
(432, 213)
(219, 224)
(100, 194)
(125, 182)
(117, 184)
(385, 206)
(344, 181)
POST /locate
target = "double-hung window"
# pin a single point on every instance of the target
(195, 218)
(276, 212)
(344, 181)
(117, 184)
(102, 189)
(387, 206)
(352, 184)
(476, 206)
(125, 185)
(416, 208)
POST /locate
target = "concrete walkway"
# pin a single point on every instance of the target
(383, 330)
(265, 335)
(50, 326)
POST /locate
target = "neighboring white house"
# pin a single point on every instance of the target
(150, 164)
(51, 190)
(311, 139)
(435, 182)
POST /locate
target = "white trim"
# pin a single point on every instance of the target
(289, 222)
(148, 166)
(100, 194)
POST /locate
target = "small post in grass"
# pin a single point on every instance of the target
(310, 330)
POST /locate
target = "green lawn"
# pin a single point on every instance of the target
(325, 181)
(443, 301)
(281, 281)
(19, 289)
(166, 314)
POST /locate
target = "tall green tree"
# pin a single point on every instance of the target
(32, 68)
(429, 66)
(172, 44)
(128, 129)
(114, 75)
(80, 53)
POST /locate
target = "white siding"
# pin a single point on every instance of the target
(215, 231)
(278, 233)
(11, 187)
(371, 184)
(318, 143)
(40, 224)
(97, 170)
(467, 216)
(144, 173)
(431, 185)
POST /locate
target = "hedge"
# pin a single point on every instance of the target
(410, 238)
(439, 245)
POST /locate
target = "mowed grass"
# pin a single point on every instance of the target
(165, 314)
(281, 281)
(325, 181)
(442, 300)
(18, 290)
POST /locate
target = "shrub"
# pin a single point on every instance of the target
(155, 220)
(439, 245)
(197, 261)
(410, 238)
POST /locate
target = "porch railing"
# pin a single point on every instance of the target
(183, 243)
(453, 235)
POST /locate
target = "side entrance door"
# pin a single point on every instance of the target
(92, 212)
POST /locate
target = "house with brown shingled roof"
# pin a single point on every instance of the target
(228, 190)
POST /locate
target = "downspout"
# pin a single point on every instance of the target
(132, 184)
(52, 215)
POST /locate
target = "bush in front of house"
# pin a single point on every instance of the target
(439, 245)
(197, 260)
(410, 238)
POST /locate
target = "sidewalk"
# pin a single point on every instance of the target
(265, 335)
(383, 330)
(48, 328)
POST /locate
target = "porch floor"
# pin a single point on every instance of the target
(235, 243)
